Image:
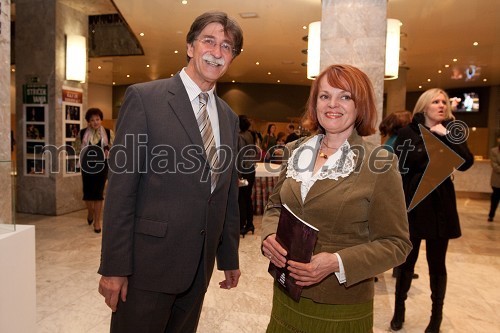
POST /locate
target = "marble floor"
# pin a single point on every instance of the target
(67, 255)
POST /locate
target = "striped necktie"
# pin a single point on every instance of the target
(208, 138)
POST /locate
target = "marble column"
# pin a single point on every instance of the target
(41, 29)
(354, 32)
(396, 92)
(5, 154)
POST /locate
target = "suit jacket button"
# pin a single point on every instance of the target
(202, 232)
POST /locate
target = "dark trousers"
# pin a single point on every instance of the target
(245, 200)
(155, 312)
(495, 197)
(435, 253)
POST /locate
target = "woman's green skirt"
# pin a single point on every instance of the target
(307, 316)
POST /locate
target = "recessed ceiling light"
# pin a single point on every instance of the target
(419, 87)
(98, 67)
(268, 73)
(440, 71)
(428, 80)
(176, 51)
(128, 75)
(484, 80)
(114, 82)
(233, 81)
(257, 63)
(141, 34)
(13, 70)
(446, 65)
(147, 66)
(171, 74)
(475, 43)
(278, 81)
(184, 2)
(455, 59)
(304, 27)
(248, 15)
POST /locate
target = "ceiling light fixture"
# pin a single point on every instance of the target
(391, 51)
(184, 2)
(313, 49)
(392, 44)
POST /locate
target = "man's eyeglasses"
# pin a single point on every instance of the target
(225, 47)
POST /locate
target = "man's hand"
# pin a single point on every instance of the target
(112, 287)
(231, 280)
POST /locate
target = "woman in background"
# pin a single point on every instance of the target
(95, 144)
(389, 128)
(435, 218)
(269, 140)
(247, 156)
(391, 124)
(495, 179)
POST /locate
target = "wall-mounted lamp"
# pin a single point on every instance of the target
(392, 49)
(76, 58)
(313, 49)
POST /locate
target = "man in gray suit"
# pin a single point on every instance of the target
(172, 197)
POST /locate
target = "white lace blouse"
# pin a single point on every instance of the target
(301, 164)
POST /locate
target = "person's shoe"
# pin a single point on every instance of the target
(250, 228)
(90, 221)
(97, 231)
(415, 276)
(490, 219)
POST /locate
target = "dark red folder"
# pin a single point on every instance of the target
(298, 238)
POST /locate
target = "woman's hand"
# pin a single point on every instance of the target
(322, 265)
(274, 251)
(439, 129)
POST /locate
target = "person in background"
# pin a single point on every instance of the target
(391, 124)
(330, 182)
(95, 142)
(292, 136)
(174, 185)
(435, 218)
(269, 139)
(495, 179)
(389, 127)
(276, 153)
(248, 155)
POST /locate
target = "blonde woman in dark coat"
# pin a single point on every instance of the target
(435, 218)
(333, 181)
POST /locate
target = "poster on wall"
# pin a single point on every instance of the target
(35, 129)
(72, 103)
(35, 132)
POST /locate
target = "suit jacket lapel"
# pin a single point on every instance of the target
(180, 104)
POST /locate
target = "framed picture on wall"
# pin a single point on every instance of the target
(72, 103)
(35, 113)
(35, 131)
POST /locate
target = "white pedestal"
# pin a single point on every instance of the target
(18, 280)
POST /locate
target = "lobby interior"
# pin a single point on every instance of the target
(67, 250)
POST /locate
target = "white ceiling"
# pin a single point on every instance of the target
(433, 33)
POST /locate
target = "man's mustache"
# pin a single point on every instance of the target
(211, 58)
